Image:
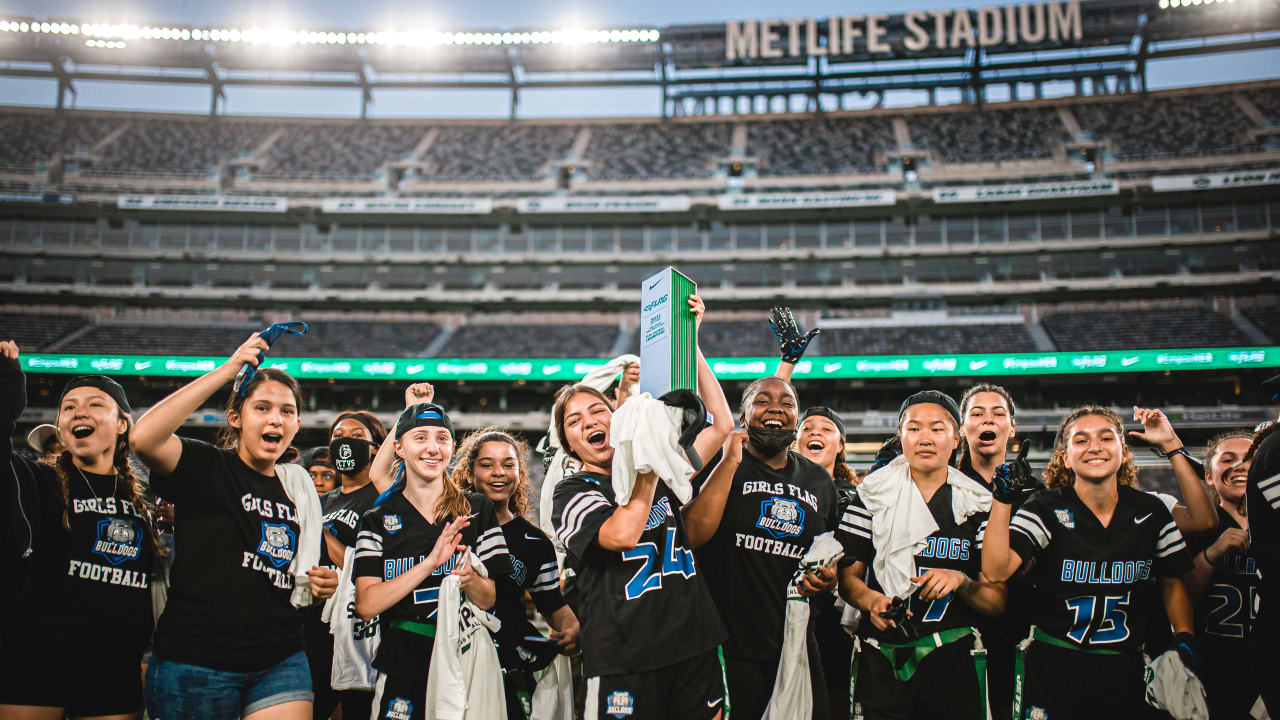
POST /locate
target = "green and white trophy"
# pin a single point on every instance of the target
(668, 334)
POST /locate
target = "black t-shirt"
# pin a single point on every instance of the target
(1262, 498)
(533, 569)
(235, 535)
(1224, 618)
(393, 538)
(1094, 584)
(642, 609)
(89, 597)
(951, 547)
(341, 515)
(770, 519)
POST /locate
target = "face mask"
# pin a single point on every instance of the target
(349, 455)
(770, 441)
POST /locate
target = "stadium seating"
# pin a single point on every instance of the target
(179, 147)
(537, 341)
(1267, 100)
(1267, 319)
(633, 151)
(340, 151)
(1181, 126)
(1157, 328)
(737, 338)
(34, 333)
(373, 338)
(160, 339)
(496, 152)
(820, 146)
(27, 139)
(927, 340)
(992, 134)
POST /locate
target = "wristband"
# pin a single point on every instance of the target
(1205, 553)
(968, 582)
(1182, 450)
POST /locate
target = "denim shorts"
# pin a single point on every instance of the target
(177, 691)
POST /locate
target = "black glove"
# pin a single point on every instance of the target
(897, 612)
(1011, 477)
(791, 340)
(1188, 649)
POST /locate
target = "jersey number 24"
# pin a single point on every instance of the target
(675, 561)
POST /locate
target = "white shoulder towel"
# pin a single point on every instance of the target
(464, 681)
(553, 694)
(561, 464)
(355, 642)
(302, 492)
(645, 436)
(792, 689)
(1175, 689)
(900, 519)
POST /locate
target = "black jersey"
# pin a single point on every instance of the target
(1262, 498)
(393, 538)
(1224, 618)
(1093, 584)
(533, 570)
(770, 519)
(951, 547)
(341, 516)
(642, 609)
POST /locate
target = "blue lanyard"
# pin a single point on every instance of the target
(271, 335)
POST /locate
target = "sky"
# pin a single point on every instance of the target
(476, 14)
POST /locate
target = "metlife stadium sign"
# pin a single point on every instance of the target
(743, 368)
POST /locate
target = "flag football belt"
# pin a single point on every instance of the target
(904, 658)
(1020, 660)
(415, 627)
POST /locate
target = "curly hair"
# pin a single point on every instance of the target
(1260, 435)
(1058, 474)
(128, 485)
(464, 477)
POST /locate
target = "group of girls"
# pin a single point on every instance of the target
(969, 588)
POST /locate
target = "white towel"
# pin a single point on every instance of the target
(792, 688)
(561, 464)
(645, 436)
(553, 694)
(302, 492)
(464, 680)
(1259, 710)
(900, 519)
(1175, 689)
(355, 642)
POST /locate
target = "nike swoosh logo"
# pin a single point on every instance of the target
(655, 283)
(527, 536)
(142, 365)
(550, 369)
(713, 703)
(1138, 520)
(1126, 362)
(830, 367)
(413, 369)
(977, 364)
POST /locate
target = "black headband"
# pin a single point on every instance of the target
(827, 413)
(103, 383)
(931, 396)
(312, 456)
(423, 415)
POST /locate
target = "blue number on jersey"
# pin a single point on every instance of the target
(1225, 619)
(1112, 627)
(938, 608)
(676, 560)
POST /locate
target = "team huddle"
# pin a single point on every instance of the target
(685, 565)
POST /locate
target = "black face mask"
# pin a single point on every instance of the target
(770, 441)
(349, 455)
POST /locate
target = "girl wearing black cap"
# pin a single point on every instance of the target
(496, 463)
(424, 528)
(354, 436)
(751, 523)
(78, 613)
(229, 643)
(916, 524)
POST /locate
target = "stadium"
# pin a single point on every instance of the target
(1038, 217)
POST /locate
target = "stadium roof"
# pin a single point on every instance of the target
(1059, 40)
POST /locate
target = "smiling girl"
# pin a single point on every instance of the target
(74, 632)
(229, 643)
(1101, 549)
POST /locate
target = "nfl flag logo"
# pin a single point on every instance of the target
(620, 704)
(1065, 517)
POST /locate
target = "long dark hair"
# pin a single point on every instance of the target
(965, 459)
(228, 437)
(563, 395)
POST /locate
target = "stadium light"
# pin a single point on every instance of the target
(406, 38)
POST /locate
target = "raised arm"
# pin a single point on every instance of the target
(999, 560)
(622, 530)
(152, 437)
(712, 395)
(382, 468)
(702, 514)
(1196, 514)
(792, 340)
